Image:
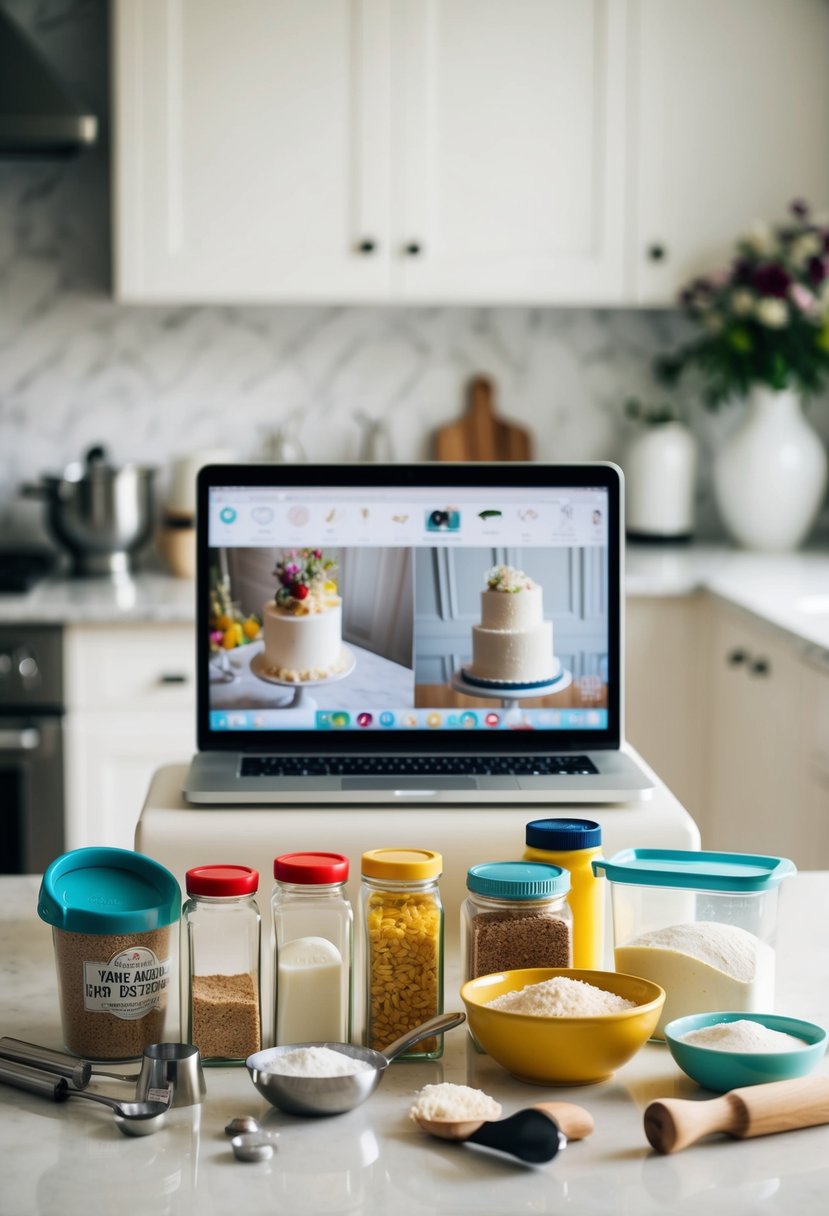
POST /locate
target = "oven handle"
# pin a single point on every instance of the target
(25, 740)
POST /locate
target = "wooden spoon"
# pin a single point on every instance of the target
(531, 1135)
(755, 1110)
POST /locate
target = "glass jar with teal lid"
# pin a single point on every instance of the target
(515, 915)
(111, 912)
(574, 844)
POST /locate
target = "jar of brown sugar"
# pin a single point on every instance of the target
(515, 915)
(111, 912)
(221, 931)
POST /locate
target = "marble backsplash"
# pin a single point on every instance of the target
(152, 383)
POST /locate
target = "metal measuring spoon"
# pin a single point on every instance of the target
(60, 1063)
(334, 1095)
(133, 1118)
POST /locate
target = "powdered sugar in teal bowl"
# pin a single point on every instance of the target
(723, 1051)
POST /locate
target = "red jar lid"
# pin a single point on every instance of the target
(221, 881)
(310, 867)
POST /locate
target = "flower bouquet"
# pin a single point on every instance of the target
(765, 317)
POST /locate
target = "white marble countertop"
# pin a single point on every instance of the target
(787, 590)
(69, 1160)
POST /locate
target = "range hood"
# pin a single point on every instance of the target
(38, 118)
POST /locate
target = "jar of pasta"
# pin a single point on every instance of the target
(402, 924)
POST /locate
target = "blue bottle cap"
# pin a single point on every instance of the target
(563, 834)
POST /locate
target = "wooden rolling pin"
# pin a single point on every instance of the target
(755, 1110)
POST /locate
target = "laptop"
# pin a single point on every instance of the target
(410, 634)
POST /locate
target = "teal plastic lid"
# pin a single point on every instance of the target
(108, 891)
(518, 879)
(737, 872)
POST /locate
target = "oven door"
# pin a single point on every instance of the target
(31, 792)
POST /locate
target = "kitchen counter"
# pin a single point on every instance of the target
(787, 590)
(69, 1160)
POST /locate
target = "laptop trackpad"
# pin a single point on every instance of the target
(424, 784)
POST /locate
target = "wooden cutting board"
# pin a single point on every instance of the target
(481, 434)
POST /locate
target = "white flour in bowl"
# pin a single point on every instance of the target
(316, 1062)
(453, 1102)
(703, 966)
(561, 997)
(743, 1035)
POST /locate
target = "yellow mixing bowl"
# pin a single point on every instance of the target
(561, 1050)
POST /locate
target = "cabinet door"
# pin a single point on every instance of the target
(755, 714)
(251, 149)
(732, 105)
(508, 150)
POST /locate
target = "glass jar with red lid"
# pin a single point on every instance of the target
(221, 933)
(314, 934)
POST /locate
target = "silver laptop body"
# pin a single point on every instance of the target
(411, 634)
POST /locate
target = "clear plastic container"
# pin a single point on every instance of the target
(313, 933)
(402, 921)
(574, 844)
(701, 925)
(515, 915)
(221, 931)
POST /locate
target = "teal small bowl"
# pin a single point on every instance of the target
(723, 1070)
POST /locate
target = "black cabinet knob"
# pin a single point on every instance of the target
(760, 667)
(657, 252)
(413, 249)
(367, 247)
(737, 657)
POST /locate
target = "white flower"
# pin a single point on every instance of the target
(760, 239)
(772, 313)
(742, 302)
(805, 247)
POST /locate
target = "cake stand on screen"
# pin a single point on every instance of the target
(507, 690)
(301, 699)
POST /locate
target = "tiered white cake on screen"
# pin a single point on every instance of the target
(513, 643)
(302, 625)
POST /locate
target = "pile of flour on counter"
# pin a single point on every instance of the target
(563, 998)
(453, 1103)
(702, 965)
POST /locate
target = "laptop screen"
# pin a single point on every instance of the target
(435, 607)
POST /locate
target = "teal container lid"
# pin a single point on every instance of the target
(735, 872)
(563, 834)
(108, 891)
(518, 879)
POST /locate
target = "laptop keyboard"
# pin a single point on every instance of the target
(417, 766)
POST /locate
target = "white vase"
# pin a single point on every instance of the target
(770, 475)
(660, 482)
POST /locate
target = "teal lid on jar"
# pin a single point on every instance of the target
(563, 834)
(518, 879)
(696, 870)
(108, 891)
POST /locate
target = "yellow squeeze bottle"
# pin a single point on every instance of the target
(572, 844)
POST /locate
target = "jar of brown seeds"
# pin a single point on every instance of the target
(515, 915)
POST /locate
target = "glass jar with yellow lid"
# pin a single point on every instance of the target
(402, 925)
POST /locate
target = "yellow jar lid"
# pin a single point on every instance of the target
(402, 865)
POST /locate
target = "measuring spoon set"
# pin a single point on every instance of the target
(170, 1075)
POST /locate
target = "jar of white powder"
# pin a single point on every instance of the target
(701, 925)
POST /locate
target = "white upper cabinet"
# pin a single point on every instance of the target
(509, 150)
(731, 102)
(251, 149)
(456, 151)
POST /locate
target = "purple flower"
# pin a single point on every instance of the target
(816, 271)
(771, 280)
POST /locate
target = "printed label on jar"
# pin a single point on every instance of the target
(130, 985)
